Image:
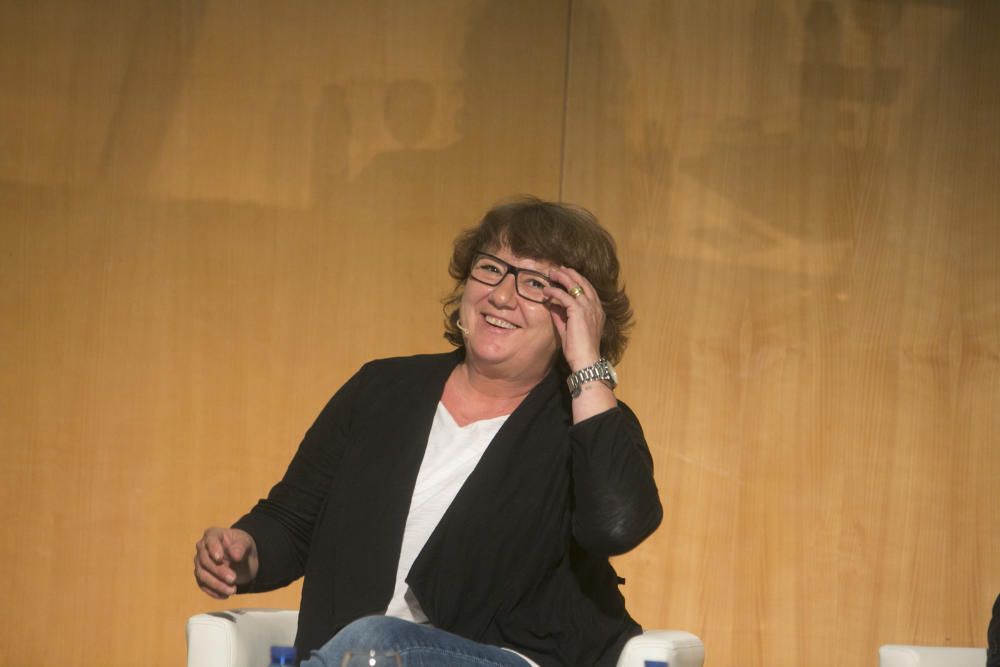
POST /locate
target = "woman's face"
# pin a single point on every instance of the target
(512, 336)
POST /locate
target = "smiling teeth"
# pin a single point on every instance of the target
(500, 323)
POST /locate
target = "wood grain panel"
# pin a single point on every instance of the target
(210, 215)
(805, 195)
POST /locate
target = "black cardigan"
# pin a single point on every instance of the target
(519, 559)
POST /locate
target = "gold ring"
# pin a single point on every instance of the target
(576, 291)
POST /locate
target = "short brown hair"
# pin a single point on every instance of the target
(563, 234)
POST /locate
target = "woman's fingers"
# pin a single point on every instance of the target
(211, 585)
(218, 576)
(583, 316)
(560, 296)
(209, 581)
(571, 278)
(212, 542)
(222, 571)
(234, 545)
(213, 562)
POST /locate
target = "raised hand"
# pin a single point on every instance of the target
(224, 558)
(579, 319)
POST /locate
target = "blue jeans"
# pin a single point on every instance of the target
(417, 645)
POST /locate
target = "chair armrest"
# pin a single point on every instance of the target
(238, 637)
(901, 655)
(243, 637)
(675, 647)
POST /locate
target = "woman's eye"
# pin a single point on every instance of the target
(537, 284)
(490, 267)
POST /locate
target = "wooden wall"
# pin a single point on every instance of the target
(211, 213)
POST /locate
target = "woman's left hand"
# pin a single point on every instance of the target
(579, 319)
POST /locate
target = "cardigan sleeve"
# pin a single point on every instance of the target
(282, 524)
(616, 503)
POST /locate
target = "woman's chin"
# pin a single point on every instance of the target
(508, 359)
(491, 353)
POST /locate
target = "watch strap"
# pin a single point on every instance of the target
(600, 370)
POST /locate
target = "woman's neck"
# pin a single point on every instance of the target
(472, 395)
(492, 383)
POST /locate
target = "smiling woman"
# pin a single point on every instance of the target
(470, 500)
(555, 234)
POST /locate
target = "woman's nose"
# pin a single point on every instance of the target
(504, 294)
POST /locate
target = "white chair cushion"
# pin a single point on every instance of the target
(901, 655)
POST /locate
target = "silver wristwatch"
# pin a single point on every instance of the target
(602, 370)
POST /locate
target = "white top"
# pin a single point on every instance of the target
(452, 453)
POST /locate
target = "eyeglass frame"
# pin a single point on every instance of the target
(511, 270)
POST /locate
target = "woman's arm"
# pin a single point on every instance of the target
(616, 501)
(281, 525)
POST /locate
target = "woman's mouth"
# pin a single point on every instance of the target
(497, 322)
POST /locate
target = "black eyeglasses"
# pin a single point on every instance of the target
(491, 270)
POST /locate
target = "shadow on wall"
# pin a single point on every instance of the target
(796, 182)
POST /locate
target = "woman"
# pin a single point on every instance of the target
(460, 508)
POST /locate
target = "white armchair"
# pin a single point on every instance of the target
(243, 637)
(902, 655)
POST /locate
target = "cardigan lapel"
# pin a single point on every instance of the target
(509, 511)
(376, 483)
